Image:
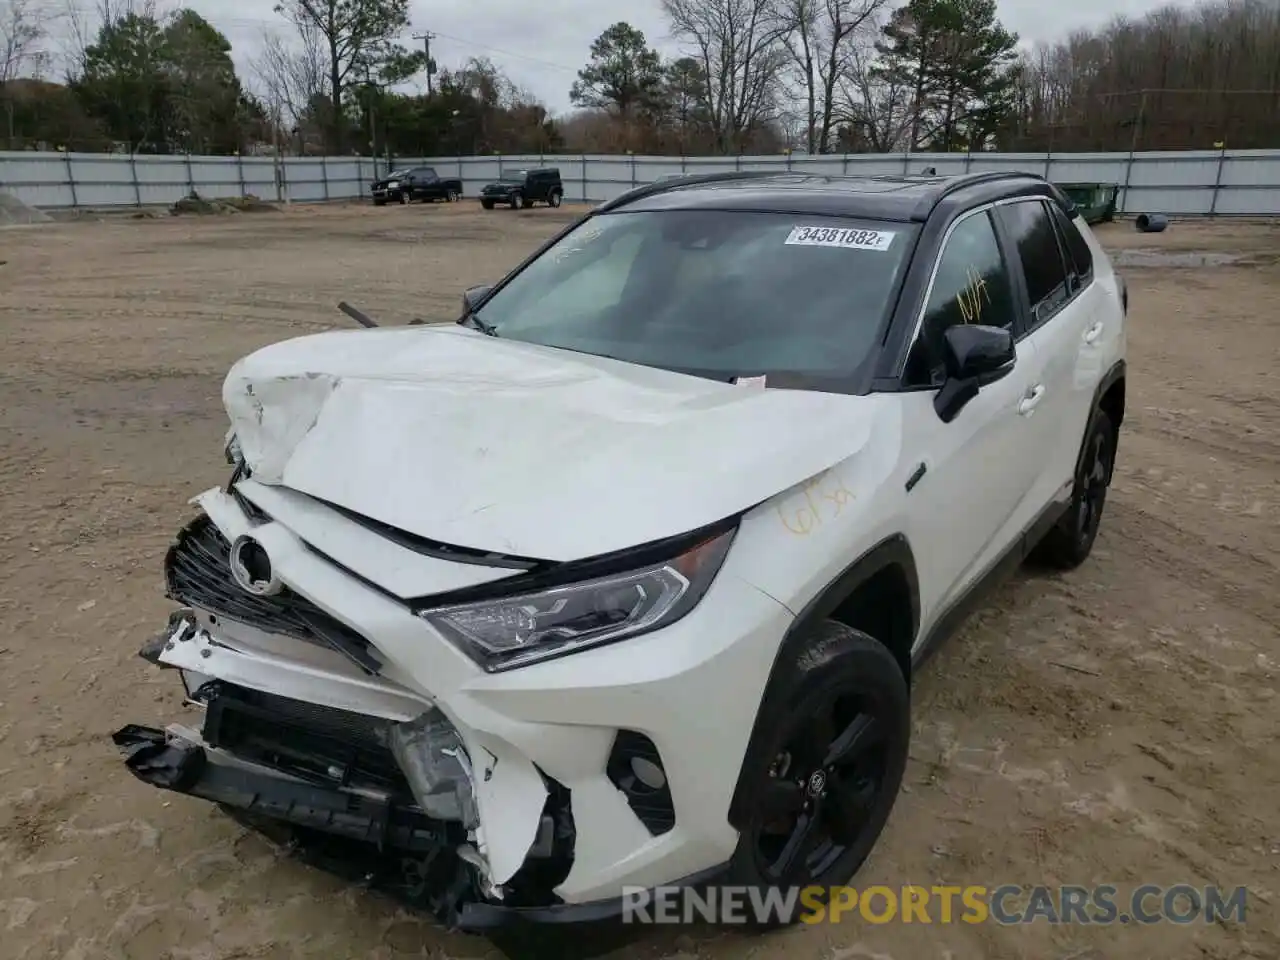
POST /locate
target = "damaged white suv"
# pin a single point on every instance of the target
(620, 581)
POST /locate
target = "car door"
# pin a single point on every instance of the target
(968, 479)
(428, 184)
(1058, 321)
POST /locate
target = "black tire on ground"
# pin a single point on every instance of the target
(380, 203)
(404, 198)
(1068, 544)
(451, 196)
(517, 201)
(556, 197)
(487, 204)
(838, 715)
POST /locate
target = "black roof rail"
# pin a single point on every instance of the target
(927, 205)
(662, 186)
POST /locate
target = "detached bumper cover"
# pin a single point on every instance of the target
(178, 760)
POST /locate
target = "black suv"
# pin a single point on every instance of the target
(415, 183)
(523, 188)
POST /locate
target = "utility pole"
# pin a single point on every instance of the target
(426, 39)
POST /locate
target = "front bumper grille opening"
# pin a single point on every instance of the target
(198, 574)
(324, 745)
(635, 767)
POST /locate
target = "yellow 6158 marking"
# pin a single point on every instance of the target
(825, 496)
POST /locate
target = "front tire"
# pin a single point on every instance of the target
(404, 199)
(487, 204)
(821, 789)
(1069, 543)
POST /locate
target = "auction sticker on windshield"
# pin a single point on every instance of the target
(840, 237)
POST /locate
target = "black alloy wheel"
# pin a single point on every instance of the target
(1069, 543)
(824, 764)
(822, 788)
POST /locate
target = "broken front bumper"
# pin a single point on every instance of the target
(393, 845)
(334, 659)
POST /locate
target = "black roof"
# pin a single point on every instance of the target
(879, 198)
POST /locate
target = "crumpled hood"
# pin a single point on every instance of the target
(530, 451)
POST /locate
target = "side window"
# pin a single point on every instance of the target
(1079, 256)
(1032, 232)
(427, 173)
(971, 285)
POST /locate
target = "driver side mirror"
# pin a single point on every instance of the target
(473, 297)
(974, 356)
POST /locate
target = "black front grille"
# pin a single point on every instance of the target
(316, 743)
(652, 804)
(198, 574)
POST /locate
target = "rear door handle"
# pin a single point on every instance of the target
(1093, 333)
(1031, 400)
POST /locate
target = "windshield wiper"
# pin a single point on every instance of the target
(487, 329)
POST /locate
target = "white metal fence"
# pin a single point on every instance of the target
(1228, 182)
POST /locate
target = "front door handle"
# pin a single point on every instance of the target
(1093, 333)
(1030, 400)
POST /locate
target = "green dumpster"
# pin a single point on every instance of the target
(1096, 201)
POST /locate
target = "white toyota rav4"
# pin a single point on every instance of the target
(620, 581)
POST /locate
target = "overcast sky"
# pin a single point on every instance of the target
(541, 44)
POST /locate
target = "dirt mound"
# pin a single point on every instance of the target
(13, 212)
(193, 203)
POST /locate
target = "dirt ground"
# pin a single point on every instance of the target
(1119, 724)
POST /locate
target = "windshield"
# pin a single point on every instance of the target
(514, 175)
(397, 173)
(719, 294)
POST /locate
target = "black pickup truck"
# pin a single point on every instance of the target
(415, 183)
(523, 188)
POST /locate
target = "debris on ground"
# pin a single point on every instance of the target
(220, 206)
(14, 212)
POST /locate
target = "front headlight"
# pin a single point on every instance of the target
(393, 184)
(517, 630)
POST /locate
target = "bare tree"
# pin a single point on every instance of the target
(22, 28)
(877, 110)
(359, 40)
(291, 76)
(820, 38)
(739, 44)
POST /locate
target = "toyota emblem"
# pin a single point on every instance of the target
(251, 568)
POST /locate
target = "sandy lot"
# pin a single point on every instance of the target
(1119, 724)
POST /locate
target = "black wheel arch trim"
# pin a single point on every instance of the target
(890, 552)
(1113, 376)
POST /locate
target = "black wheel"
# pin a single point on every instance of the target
(451, 196)
(1068, 544)
(380, 203)
(821, 789)
(487, 204)
(404, 198)
(555, 199)
(517, 201)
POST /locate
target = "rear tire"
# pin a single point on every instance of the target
(451, 196)
(555, 199)
(822, 788)
(517, 201)
(1069, 543)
